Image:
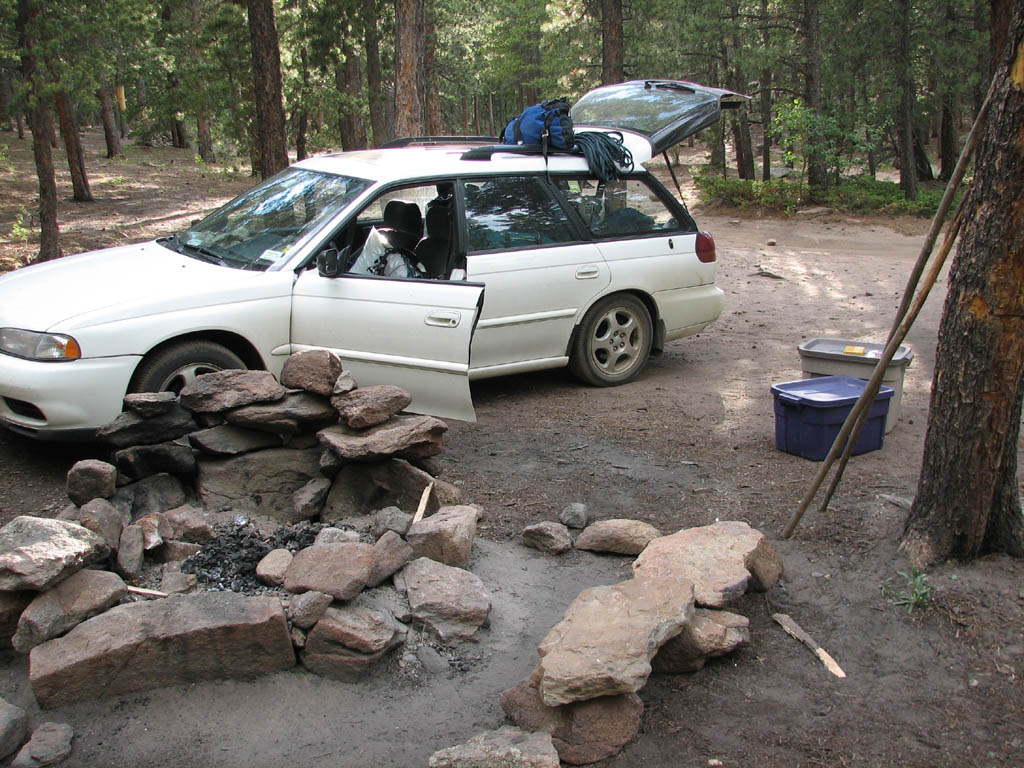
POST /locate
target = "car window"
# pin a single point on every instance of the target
(623, 208)
(513, 212)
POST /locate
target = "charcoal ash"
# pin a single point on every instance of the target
(228, 562)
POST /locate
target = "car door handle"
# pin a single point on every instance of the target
(589, 272)
(444, 319)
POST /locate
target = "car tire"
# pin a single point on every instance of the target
(171, 368)
(613, 342)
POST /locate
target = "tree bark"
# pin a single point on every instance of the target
(6, 100)
(349, 80)
(744, 146)
(968, 496)
(817, 172)
(42, 135)
(905, 117)
(612, 43)
(110, 132)
(267, 89)
(433, 119)
(205, 139)
(73, 147)
(409, 67)
(947, 140)
(374, 82)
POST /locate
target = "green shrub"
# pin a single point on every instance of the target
(860, 194)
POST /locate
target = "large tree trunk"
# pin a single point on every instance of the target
(968, 496)
(267, 89)
(947, 140)
(905, 116)
(42, 135)
(374, 83)
(409, 67)
(434, 118)
(817, 172)
(110, 132)
(349, 80)
(205, 138)
(73, 147)
(6, 100)
(612, 43)
(744, 146)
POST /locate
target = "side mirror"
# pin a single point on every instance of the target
(327, 262)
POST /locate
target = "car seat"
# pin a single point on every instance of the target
(432, 251)
(403, 225)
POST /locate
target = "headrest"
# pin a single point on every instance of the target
(403, 217)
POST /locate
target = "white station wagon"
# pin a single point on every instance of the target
(424, 265)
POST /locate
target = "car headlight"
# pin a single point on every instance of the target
(38, 346)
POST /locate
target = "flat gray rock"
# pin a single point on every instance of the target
(362, 488)
(170, 641)
(622, 536)
(36, 552)
(157, 493)
(391, 553)
(79, 597)
(574, 515)
(296, 412)
(605, 643)
(340, 570)
(13, 728)
(223, 390)
(449, 602)
(548, 536)
(229, 440)
(150, 404)
(263, 482)
(50, 744)
(132, 429)
(506, 747)
(446, 536)
(104, 519)
(709, 634)
(720, 560)
(306, 609)
(139, 461)
(404, 437)
(370, 406)
(309, 500)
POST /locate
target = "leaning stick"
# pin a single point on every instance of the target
(796, 631)
(422, 508)
(143, 592)
(858, 414)
(871, 388)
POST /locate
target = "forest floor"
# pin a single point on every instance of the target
(690, 442)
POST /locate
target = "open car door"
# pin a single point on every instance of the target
(415, 334)
(653, 115)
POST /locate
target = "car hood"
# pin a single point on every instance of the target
(111, 284)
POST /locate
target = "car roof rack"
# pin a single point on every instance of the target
(416, 141)
(485, 153)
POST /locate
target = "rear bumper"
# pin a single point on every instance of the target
(685, 311)
(71, 398)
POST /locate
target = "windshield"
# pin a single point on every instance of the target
(256, 229)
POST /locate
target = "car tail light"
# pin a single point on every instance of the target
(706, 248)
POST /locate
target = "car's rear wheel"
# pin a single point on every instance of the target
(171, 368)
(613, 342)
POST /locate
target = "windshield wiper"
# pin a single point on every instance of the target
(205, 253)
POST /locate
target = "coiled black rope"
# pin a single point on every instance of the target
(605, 154)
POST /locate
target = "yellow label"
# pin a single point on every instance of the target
(853, 349)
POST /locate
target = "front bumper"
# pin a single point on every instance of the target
(67, 397)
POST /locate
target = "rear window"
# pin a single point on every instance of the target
(513, 212)
(646, 110)
(620, 209)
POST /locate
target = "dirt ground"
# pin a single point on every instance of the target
(690, 442)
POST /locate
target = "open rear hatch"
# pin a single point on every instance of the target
(653, 115)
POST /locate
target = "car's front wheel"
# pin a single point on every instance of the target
(613, 341)
(171, 368)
